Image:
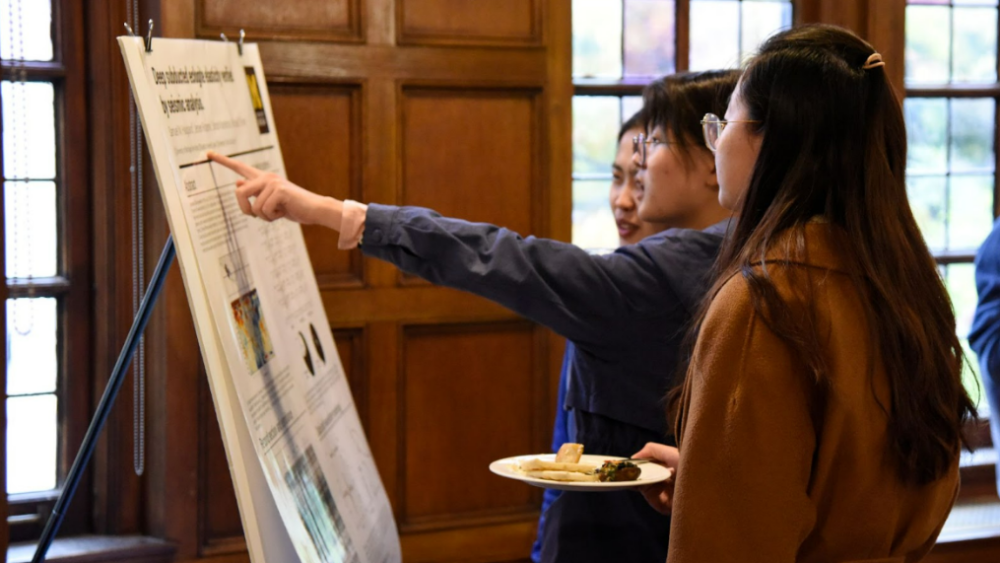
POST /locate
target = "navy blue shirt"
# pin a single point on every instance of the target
(985, 334)
(626, 314)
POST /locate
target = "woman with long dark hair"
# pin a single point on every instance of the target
(821, 415)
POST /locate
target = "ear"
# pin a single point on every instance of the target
(706, 166)
(712, 178)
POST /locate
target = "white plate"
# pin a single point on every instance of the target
(650, 473)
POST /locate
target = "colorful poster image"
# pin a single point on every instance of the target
(251, 332)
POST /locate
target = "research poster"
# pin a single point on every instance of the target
(306, 483)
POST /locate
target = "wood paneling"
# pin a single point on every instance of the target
(453, 375)
(461, 22)
(328, 20)
(481, 144)
(220, 516)
(346, 62)
(322, 124)
(470, 154)
(351, 347)
(449, 121)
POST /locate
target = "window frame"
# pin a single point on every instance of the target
(632, 86)
(978, 474)
(28, 512)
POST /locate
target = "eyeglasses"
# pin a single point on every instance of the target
(640, 146)
(712, 126)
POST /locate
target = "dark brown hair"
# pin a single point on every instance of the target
(677, 102)
(834, 145)
(638, 119)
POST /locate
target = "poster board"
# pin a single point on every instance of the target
(305, 481)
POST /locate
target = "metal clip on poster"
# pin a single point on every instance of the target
(149, 35)
(114, 382)
(239, 44)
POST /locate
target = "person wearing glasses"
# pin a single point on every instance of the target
(625, 196)
(821, 415)
(625, 313)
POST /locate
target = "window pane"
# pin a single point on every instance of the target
(715, 34)
(975, 58)
(30, 229)
(927, 200)
(30, 37)
(970, 213)
(32, 363)
(596, 120)
(972, 122)
(631, 105)
(597, 38)
(927, 43)
(762, 20)
(29, 130)
(593, 223)
(960, 279)
(926, 132)
(649, 37)
(31, 444)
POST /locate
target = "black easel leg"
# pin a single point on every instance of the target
(107, 401)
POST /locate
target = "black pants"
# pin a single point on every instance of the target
(601, 527)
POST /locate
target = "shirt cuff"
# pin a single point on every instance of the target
(352, 224)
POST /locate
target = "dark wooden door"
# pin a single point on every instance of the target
(458, 105)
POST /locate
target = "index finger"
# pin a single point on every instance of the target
(241, 168)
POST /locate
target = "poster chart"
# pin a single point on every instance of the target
(306, 483)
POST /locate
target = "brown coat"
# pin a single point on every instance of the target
(759, 481)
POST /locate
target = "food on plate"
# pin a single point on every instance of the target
(563, 475)
(536, 464)
(617, 471)
(569, 453)
(566, 467)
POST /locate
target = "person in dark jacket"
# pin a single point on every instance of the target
(985, 333)
(625, 197)
(625, 313)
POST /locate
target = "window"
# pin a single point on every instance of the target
(618, 47)
(951, 121)
(47, 322)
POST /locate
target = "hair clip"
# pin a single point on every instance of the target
(873, 61)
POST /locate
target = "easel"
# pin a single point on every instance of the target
(117, 375)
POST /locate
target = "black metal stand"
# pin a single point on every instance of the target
(107, 401)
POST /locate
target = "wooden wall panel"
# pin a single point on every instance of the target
(461, 22)
(452, 375)
(351, 347)
(330, 20)
(321, 124)
(470, 154)
(456, 105)
(220, 516)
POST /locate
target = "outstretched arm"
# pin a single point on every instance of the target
(589, 299)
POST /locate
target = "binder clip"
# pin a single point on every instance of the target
(239, 44)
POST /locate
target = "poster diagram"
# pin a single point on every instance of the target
(292, 434)
(251, 332)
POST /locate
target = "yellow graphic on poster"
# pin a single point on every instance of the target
(255, 99)
(251, 332)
